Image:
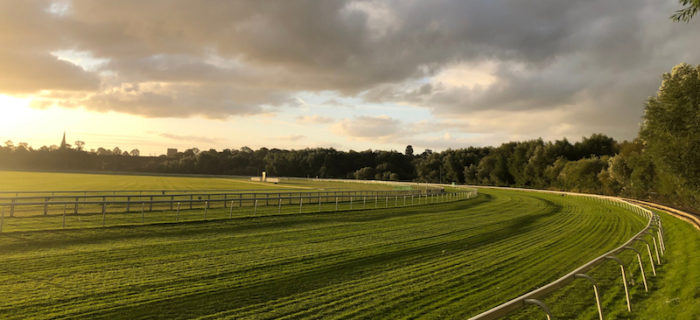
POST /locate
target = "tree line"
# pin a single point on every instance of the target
(661, 164)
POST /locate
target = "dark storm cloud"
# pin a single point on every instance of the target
(220, 58)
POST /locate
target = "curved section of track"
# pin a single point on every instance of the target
(448, 260)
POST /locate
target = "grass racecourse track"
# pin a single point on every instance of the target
(447, 260)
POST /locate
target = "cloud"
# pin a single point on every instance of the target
(596, 59)
(177, 100)
(291, 137)
(368, 127)
(335, 103)
(187, 138)
(26, 73)
(314, 119)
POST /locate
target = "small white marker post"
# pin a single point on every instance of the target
(255, 208)
(104, 213)
(177, 213)
(279, 205)
(319, 203)
(364, 202)
(386, 205)
(350, 203)
(206, 206)
(301, 203)
(230, 210)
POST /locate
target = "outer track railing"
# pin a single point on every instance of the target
(653, 228)
(37, 205)
(118, 207)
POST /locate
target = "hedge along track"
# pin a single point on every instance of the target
(364, 264)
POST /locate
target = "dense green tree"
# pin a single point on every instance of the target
(691, 9)
(582, 175)
(366, 173)
(671, 131)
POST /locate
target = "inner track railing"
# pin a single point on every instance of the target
(651, 233)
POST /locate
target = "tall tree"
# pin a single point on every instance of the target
(671, 129)
(691, 8)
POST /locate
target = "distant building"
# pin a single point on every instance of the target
(172, 152)
(64, 145)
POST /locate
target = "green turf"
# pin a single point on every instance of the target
(41, 181)
(44, 181)
(450, 260)
(674, 293)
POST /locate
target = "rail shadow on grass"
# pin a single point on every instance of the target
(220, 300)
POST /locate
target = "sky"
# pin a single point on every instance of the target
(152, 74)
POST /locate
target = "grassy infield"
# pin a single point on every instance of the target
(449, 260)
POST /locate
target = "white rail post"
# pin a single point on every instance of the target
(541, 305)
(177, 213)
(641, 267)
(255, 209)
(661, 241)
(301, 203)
(336, 203)
(651, 258)
(656, 248)
(279, 205)
(230, 210)
(386, 205)
(350, 203)
(404, 201)
(376, 200)
(206, 206)
(624, 280)
(319, 202)
(661, 238)
(595, 291)
(364, 202)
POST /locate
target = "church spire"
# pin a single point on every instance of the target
(63, 142)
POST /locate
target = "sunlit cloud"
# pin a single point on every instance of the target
(314, 119)
(348, 71)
